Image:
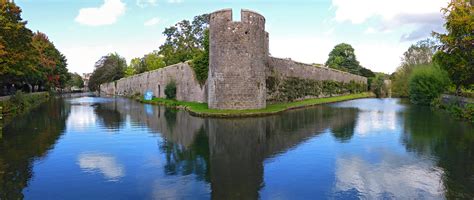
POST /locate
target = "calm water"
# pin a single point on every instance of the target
(106, 148)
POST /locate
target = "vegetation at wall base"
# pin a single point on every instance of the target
(454, 108)
(293, 88)
(170, 90)
(21, 103)
(202, 109)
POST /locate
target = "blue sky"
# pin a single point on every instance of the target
(303, 30)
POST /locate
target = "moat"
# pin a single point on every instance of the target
(116, 148)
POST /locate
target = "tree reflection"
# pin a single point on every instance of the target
(27, 138)
(451, 142)
(109, 115)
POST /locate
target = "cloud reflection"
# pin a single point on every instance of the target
(103, 163)
(394, 176)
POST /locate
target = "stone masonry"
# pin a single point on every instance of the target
(239, 64)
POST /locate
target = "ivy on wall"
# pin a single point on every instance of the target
(293, 88)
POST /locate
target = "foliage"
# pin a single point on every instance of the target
(184, 40)
(457, 49)
(109, 68)
(27, 58)
(293, 88)
(427, 83)
(138, 65)
(153, 61)
(456, 108)
(75, 80)
(129, 71)
(378, 87)
(200, 62)
(170, 90)
(20, 102)
(417, 54)
(343, 58)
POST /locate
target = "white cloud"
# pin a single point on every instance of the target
(175, 1)
(106, 14)
(153, 21)
(146, 3)
(420, 16)
(105, 164)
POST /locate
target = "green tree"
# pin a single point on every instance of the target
(378, 87)
(184, 40)
(426, 83)
(109, 68)
(75, 80)
(153, 61)
(343, 58)
(18, 60)
(200, 62)
(456, 53)
(417, 54)
(138, 65)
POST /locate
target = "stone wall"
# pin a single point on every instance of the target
(285, 68)
(187, 86)
(237, 61)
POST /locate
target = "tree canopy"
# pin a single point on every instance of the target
(26, 57)
(456, 54)
(109, 68)
(343, 58)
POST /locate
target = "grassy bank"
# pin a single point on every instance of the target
(20, 103)
(201, 109)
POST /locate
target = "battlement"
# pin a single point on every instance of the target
(247, 18)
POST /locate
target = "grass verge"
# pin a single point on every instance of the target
(20, 103)
(202, 110)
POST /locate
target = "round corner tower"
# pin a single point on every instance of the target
(237, 60)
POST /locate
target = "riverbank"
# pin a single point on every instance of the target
(20, 103)
(202, 110)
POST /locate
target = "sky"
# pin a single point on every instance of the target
(303, 30)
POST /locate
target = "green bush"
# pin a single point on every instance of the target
(170, 90)
(426, 83)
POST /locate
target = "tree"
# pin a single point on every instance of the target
(200, 62)
(343, 58)
(18, 57)
(456, 53)
(417, 54)
(426, 83)
(153, 61)
(184, 40)
(75, 80)
(138, 65)
(109, 68)
(52, 65)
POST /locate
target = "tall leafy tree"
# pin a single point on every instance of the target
(456, 53)
(51, 68)
(138, 65)
(343, 58)
(18, 57)
(418, 54)
(153, 61)
(108, 68)
(184, 40)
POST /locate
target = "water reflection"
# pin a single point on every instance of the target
(103, 163)
(26, 139)
(365, 148)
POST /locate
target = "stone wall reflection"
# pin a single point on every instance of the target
(229, 153)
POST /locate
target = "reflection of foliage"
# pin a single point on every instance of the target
(344, 122)
(188, 160)
(24, 140)
(111, 118)
(170, 116)
(450, 141)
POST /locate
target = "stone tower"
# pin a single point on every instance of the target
(238, 56)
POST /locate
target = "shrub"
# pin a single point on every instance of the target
(377, 86)
(170, 90)
(426, 83)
